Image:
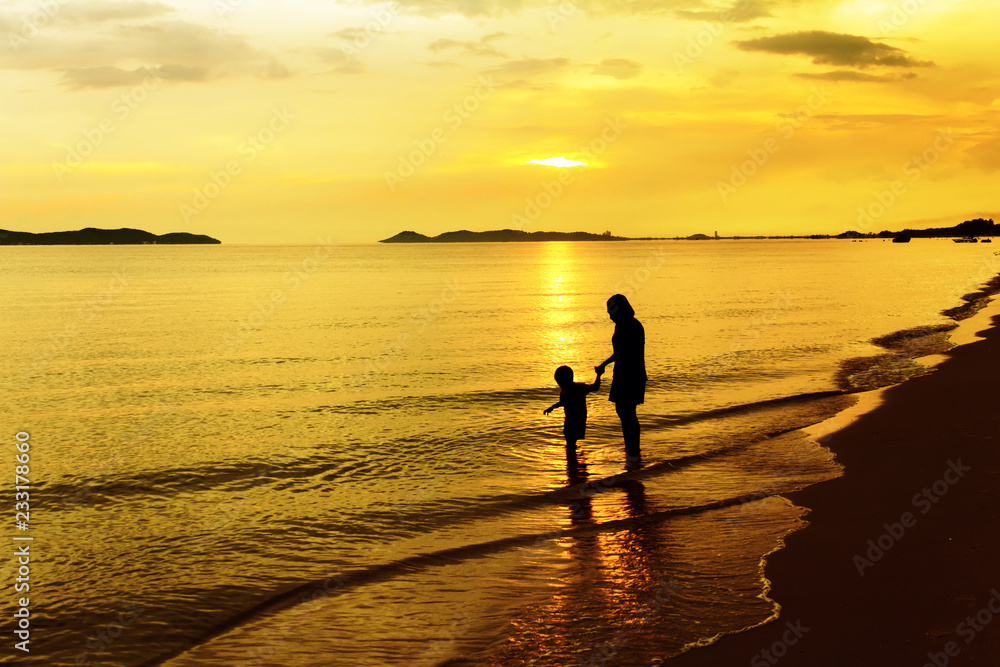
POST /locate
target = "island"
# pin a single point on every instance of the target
(969, 228)
(499, 235)
(977, 227)
(94, 236)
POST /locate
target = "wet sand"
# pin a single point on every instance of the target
(900, 562)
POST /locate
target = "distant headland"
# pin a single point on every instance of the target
(500, 235)
(94, 236)
(977, 227)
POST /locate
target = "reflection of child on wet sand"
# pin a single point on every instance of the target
(573, 399)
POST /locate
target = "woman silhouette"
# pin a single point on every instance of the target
(628, 384)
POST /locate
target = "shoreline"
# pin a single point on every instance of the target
(895, 564)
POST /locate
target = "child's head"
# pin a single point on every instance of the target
(564, 376)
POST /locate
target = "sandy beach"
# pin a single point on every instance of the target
(898, 565)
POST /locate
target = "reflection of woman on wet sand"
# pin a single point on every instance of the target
(628, 384)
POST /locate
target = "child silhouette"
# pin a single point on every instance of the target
(573, 399)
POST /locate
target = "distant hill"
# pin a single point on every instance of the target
(499, 235)
(977, 227)
(94, 236)
(407, 237)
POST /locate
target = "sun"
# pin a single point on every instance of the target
(560, 161)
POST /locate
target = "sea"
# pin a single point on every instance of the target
(333, 454)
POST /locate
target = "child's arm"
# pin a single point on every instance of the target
(597, 382)
(552, 407)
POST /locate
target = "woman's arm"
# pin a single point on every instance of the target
(600, 369)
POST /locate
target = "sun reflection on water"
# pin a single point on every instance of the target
(558, 285)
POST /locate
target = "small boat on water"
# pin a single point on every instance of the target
(987, 241)
(967, 239)
(900, 239)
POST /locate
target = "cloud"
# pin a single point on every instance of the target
(274, 70)
(334, 55)
(467, 8)
(743, 11)
(724, 78)
(830, 48)
(985, 155)
(78, 12)
(847, 75)
(530, 66)
(619, 68)
(182, 73)
(480, 48)
(478, 9)
(524, 84)
(187, 43)
(352, 68)
(97, 11)
(77, 78)
(183, 51)
(339, 57)
(352, 34)
(875, 121)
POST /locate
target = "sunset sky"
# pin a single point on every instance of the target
(268, 122)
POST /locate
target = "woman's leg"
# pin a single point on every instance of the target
(630, 427)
